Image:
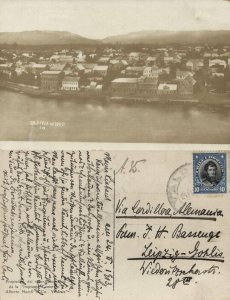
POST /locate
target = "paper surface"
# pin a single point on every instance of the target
(117, 224)
(113, 71)
(128, 198)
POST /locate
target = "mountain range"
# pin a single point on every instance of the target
(45, 37)
(166, 37)
(38, 37)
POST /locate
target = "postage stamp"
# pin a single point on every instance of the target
(209, 173)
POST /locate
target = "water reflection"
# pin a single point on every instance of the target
(110, 122)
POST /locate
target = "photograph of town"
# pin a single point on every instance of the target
(115, 71)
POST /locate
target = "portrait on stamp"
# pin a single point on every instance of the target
(209, 172)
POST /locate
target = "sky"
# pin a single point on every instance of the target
(102, 18)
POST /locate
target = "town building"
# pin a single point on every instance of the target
(70, 83)
(134, 71)
(117, 65)
(95, 87)
(167, 89)
(38, 68)
(182, 74)
(147, 87)
(215, 72)
(136, 87)
(88, 67)
(168, 59)
(100, 71)
(177, 58)
(164, 70)
(217, 62)
(20, 70)
(186, 85)
(151, 72)
(62, 59)
(56, 67)
(195, 64)
(124, 86)
(5, 71)
(103, 60)
(51, 81)
(134, 56)
(5, 67)
(151, 60)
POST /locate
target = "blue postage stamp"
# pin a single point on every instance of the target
(209, 173)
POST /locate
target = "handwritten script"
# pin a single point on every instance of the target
(57, 223)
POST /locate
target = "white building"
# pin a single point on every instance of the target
(167, 89)
(219, 62)
(151, 72)
(70, 83)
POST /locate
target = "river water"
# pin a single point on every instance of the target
(28, 118)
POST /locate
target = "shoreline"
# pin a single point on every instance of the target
(216, 101)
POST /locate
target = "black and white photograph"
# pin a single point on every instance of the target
(111, 71)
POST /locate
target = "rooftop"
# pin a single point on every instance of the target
(151, 68)
(51, 72)
(135, 68)
(38, 65)
(181, 72)
(167, 86)
(71, 78)
(146, 80)
(5, 65)
(134, 53)
(100, 68)
(57, 67)
(125, 80)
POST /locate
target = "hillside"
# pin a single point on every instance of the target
(166, 37)
(145, 37)
(44, 38)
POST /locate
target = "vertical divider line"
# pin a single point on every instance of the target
(114, 198)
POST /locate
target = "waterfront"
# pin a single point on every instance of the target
(22, 117)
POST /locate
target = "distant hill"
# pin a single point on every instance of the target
(44, 38)
(166, 37)
(38, 37)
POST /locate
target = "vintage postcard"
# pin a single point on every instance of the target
(114, 225)
(109, 185)
(134, 71)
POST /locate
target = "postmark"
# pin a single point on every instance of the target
(179, 189)
(209, 173)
